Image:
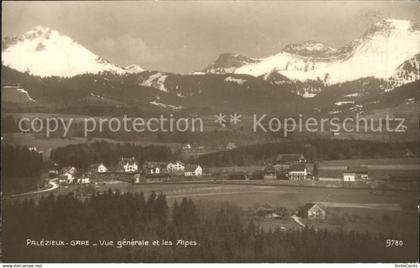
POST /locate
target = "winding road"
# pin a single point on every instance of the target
(53, 185)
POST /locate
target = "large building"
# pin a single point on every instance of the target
(285, 161)
(175, 167)
(298, 172)
(128, 165)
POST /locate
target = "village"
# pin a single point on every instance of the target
(287, 167)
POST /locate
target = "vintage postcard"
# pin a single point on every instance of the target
(210, 132)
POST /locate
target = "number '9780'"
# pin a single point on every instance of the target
(394, 243)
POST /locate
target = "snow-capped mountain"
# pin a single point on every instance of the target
(408, 71)
(378, 53)
(45, 52)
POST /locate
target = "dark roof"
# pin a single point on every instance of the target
(285, 158)
(298, 167)
(308, 206)
(96, 165)
(357, 169)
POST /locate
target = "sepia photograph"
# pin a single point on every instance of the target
(211, 131)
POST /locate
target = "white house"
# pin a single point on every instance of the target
(98, 168)
(129, 165)
(193, 170)
(358, 173)
(102, 168)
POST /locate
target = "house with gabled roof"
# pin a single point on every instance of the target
(98, 168)
(313, 211)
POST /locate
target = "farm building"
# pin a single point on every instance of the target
(356, 173)
(193, 170)
(312, 211)
(298, 172)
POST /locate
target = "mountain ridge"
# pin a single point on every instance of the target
(377, 53)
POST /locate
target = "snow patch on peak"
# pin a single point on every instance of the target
(157, 81)
(235, 80)
(341, 103)
(163, 105)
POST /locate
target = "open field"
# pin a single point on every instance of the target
(373, 162)
(378, 168)
(347, 209)
(246, 196)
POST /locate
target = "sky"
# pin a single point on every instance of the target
(186, 36)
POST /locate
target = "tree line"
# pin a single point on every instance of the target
(313, 150)
(221, 237)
